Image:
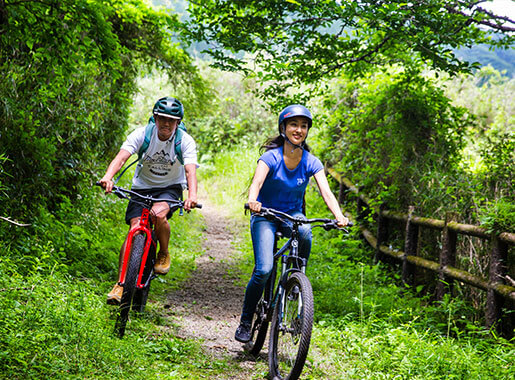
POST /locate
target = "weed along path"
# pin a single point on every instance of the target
(208, 305)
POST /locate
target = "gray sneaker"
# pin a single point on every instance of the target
(243, 332)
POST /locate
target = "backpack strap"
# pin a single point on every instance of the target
(181, 128)
(149, 130)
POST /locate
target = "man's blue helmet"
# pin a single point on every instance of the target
(169, 107)
(292, 111)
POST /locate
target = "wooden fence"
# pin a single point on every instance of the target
(497, 290)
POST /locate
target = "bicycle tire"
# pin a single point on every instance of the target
(131, 276)
(139, 300)
(261, 326)
(290, 334)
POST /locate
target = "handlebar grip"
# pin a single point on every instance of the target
(246, 206)
(98, 184)
(198, 205)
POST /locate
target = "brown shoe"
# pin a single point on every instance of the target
(115, 295)
(162, 265)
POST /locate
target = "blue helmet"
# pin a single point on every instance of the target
(169, 107)
(292, 111)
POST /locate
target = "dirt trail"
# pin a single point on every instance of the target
(208, 305)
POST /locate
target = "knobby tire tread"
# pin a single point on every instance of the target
(306, 294)
(131, 276)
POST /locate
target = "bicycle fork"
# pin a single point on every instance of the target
(143, 227)
(282, 288)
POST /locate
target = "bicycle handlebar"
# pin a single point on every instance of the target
(328, 224)
(119, 192)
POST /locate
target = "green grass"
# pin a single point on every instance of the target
(366, 325)
(54, 322)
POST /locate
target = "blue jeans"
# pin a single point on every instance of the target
(263, 234)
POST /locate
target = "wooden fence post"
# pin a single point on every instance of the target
(342, 193)
(497, 271)
(447, 257)
(382, 234)
(410, 248)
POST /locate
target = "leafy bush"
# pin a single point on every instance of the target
(67, 77)
(394, 134)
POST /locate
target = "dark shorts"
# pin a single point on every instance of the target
(172, 192)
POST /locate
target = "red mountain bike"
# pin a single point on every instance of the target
(137, 268)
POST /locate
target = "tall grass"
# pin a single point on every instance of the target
(54, 322)
(367, 326)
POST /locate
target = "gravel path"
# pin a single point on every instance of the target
(208, 305)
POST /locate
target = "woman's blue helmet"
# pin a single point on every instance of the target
(292, 111)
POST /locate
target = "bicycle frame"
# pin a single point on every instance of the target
(143, 227)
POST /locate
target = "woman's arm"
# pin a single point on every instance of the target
(260, 174)
(329, 198)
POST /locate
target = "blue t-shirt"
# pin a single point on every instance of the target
(283, 189)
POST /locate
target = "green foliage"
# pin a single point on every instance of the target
(498, 216)
(228, 114)
(292, 43)
(394, 134)
(236, 116)
(67, 76)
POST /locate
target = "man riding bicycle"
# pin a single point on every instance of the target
(162, 172)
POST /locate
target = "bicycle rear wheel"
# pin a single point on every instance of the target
(261, 326)
(291, 329)
(131, 276)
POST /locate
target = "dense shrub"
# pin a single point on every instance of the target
(394, 134)
(67, 74)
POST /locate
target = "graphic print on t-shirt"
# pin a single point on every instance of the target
(160, 163)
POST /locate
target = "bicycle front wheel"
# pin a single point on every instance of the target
(139, 300)
(129, 285)
(292, 324)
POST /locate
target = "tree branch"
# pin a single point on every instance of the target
(488, 23)
(14, 222)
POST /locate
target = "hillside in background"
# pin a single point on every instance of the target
(501, 60)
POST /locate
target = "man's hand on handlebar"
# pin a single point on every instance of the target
(190, 204)
(107, 184)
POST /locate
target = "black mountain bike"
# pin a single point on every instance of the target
(137, 268)
(290, 307)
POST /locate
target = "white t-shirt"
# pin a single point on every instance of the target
(160, 167)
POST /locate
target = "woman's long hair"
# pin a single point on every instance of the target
(278, 141)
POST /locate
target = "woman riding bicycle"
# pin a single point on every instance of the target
(280, 180)
(161, 173)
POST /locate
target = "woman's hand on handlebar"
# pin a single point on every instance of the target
(342, 221)
(107, 184)
(254, 206)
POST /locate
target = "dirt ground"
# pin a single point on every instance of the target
(208, 306)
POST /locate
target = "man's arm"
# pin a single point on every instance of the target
(191, 179)
(113, 168)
